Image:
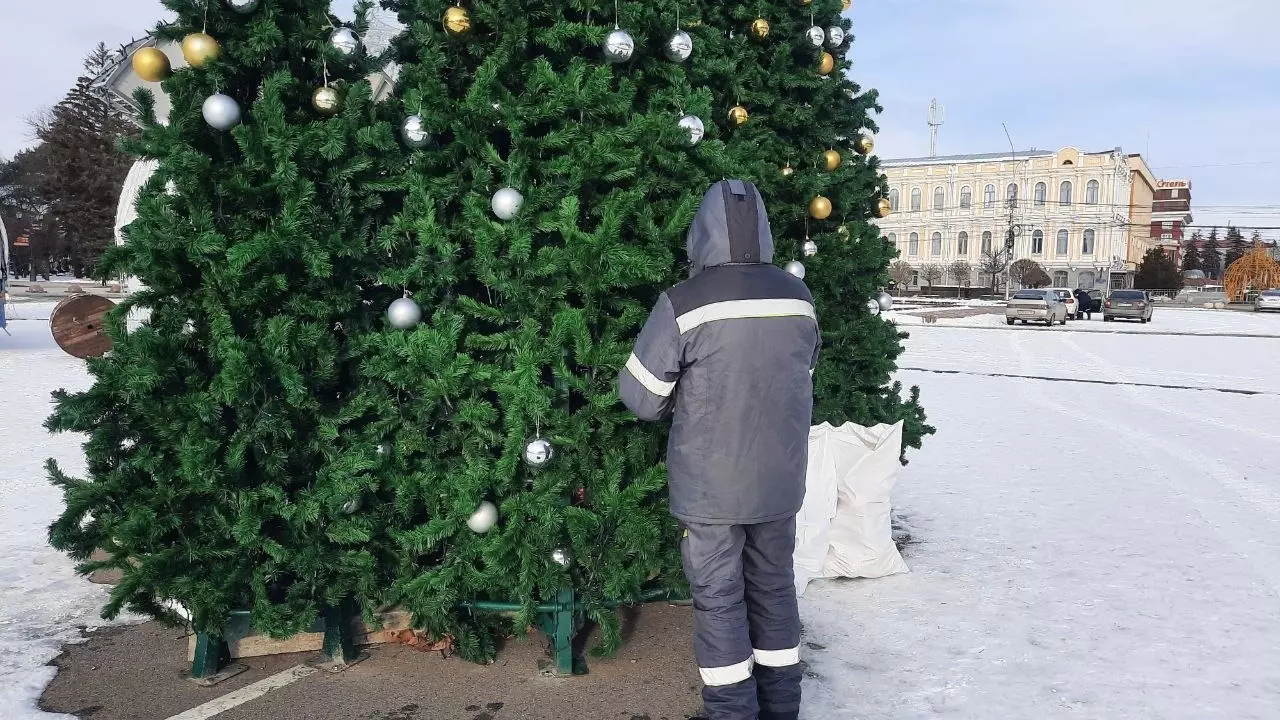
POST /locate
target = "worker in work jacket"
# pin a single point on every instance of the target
(731, 352)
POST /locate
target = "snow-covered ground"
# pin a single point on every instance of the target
(42, 602)
(1097, 529)
(1084, 550)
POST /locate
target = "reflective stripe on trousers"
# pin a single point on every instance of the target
(746, 619)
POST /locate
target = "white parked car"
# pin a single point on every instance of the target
(1267, 300)
(1068, 298)
(1038, 305)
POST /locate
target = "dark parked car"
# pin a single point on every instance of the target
(1129, 305)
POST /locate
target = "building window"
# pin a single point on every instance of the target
(989, 196)
(1064, 193)
(939, 198)
(966, 197)
(1166, 225)
(1087, 279)
(937, 244)
(1166, 236)
(893, 240)
(1064, 242)
(915, 278)
(1060, 278)
(986, 242)
(1042, 192)
(1091, 193)
(962, 244)
(893, 199)
(1037, 242)
(1011, 193)
(1086, 246)
(913, 244)
(915, 199)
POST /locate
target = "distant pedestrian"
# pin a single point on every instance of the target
(1084, 304)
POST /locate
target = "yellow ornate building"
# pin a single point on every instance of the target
(1084, 217)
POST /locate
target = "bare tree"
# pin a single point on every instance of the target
(992, 264)
(962, 272)
(931, 273)
(900, 272)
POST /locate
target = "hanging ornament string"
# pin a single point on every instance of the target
(616, 14)
(204, 25)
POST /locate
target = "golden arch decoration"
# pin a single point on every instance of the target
(1256, 270)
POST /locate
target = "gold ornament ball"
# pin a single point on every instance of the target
(457, 21)
(738, 115)
(827, 63)
(832, 159)
(326, 101)
(759, 28)
(151, 65)
(883, 208)
(199, 49)
(846, 5)
(864, 145)
(806, 2)
(820, 208)
(787, 170)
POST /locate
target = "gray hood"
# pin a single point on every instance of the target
(731, 227)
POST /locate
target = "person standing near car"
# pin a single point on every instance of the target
(731, 353)
(1084, 303)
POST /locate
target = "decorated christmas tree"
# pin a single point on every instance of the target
(379, 367)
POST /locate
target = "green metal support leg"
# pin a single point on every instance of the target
(211, 663)
(339, 649)
(561, 623)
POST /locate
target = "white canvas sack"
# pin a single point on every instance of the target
(844, 527)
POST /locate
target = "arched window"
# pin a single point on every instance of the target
(1091, 193)
(1037, 242)
(937, 244)
(1060, 278)
(1087, 280)
(1042, 193)
(892, 239)
(986, 242)
(1064, 242)
(1086, 247)
(1064, 193)
(989, 196)
(1011, 193)
(962, 244)
(966, 197)
(915, 199)
(913, 244)
(939, 198)
(893, 199)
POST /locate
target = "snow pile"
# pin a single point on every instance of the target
(42, 601)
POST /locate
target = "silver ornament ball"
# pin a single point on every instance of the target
(243, 6)
(835, 36)
(873, 307)
(538, 452)
(816, 36)
(404, 314)
(506, 203)
(693, 124)
(619, 46)
(221, 112)
(561, 557)
(810, 248)
(484, 518)
(383, 449)
(414, 131)
(351, 506)
(679, 46)
(795, 267)
(345, 41)
(885, 301)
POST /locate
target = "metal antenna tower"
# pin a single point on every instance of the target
(937, 116)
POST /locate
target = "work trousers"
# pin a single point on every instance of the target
(746, 623)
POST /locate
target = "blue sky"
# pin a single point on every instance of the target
(1197, 84)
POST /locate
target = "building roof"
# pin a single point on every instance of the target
(974, 157)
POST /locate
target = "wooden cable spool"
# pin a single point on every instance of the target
(77, 324)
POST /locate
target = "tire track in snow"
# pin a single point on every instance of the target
(1132, 389)
(1256, 496)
